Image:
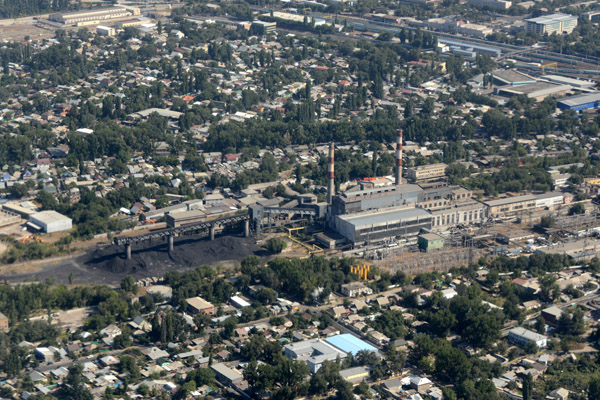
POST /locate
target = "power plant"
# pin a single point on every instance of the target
(366, 214)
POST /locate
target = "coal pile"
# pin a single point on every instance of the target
(154, 259)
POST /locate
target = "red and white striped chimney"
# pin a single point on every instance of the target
(330, 175)
(399, 158)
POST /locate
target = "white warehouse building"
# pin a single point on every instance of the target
(50, 221)
(522, 336)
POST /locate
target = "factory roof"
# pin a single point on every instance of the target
(427, 167)
(349, 343)
(182, 215)
(49, 216)
(580, 99)
(511, 76)
(227, 372)
(198, 303)
(451, 42)
(537, 89)
(389, 215)
(431, 236)
(88, 12)
(527, 334)
(405, 188)
(552, 18)
(509, 200)
(568, 81)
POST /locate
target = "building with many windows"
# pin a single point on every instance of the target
(549, 24)
(378, 226)
(94, 15)
(512, 206)
(427, 172)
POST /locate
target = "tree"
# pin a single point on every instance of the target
(540, 325)
(441, 322)
(527, 387)
(531, 348)
(577, 208)
(74, 387)
(275, 245)
(547, 221)
(550, 289)
(594, 389)
(128, 284)
(47, 200)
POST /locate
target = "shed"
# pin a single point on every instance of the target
(430, 241)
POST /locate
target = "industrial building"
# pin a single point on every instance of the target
(8, 218)
(297, 18)
(512, 206)
(362, 199)
(349, 344)
(106, 30)
(199, 305)
(176, 219)
(472, 48)
(522, 336)
(354, 289)
(437, 196)
(355, 374)
(94, 15)
(549, 24)
(580, 102)
(264, 28)
(316, 351)
(427, 172)
(451, 206)
(580, 250)
(50, 221)
(592, 16)
(537, 91)
(511, 77)
(466, 213)
(451, 25)
(565, 80)
(430, 241)
(227, 375)
(378, 226)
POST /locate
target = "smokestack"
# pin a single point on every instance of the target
(330, 183)
(399, 158)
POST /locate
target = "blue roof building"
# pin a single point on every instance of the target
(580, 102)
(349, 343)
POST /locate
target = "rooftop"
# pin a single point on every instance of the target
(552, 18)
(49, 216)
(580, 99)
(388, 216)
(198, 303)
(349, 343)
(527, 334)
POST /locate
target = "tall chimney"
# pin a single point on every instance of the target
(399, 158)
(330, 182)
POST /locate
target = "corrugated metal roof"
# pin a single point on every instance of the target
(581, 99)
(392, 215)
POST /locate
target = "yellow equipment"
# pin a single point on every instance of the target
(361, 270)
(290, 230)
(552, 64)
